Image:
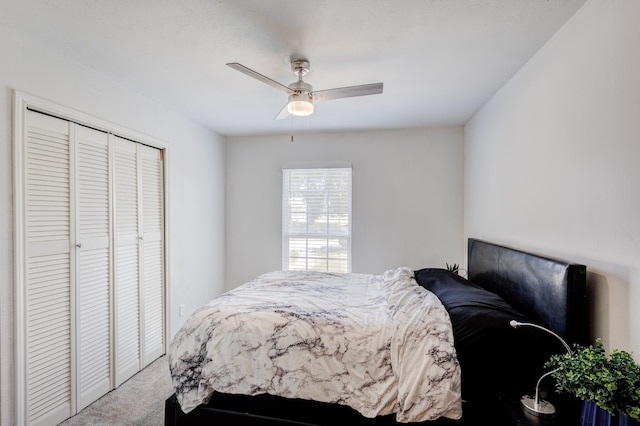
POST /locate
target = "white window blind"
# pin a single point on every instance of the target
(316, 219)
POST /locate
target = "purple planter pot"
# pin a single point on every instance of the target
(592, 415)
(627, 421)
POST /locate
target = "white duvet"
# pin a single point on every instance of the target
(380, 344)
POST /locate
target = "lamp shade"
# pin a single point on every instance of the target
(300, 105)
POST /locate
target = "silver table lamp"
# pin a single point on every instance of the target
(537, 405)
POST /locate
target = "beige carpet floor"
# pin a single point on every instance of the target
(139, 401)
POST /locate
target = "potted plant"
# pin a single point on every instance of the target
(453, 268)
(456, 269)
(608, 385)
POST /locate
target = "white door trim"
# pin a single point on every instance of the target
(21, 102)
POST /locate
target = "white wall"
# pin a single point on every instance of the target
(552, 161)
(407, 197)
(196, 177)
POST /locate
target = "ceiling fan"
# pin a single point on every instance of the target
(301, 94)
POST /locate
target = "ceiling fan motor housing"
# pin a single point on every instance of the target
(301, 87)
(301, 102)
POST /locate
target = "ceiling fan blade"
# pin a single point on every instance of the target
(347, 92)
(284, 113)
(258, 76)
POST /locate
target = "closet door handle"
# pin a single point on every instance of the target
(79, 245)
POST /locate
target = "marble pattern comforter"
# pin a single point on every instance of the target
(380, 344)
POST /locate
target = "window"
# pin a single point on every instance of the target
(316, 219)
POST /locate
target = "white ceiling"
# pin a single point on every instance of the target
(440, 60)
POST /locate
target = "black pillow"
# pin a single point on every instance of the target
(494, 357)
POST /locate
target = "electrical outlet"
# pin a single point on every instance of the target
(181, 309)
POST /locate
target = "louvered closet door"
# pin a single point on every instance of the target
(93, 262)
(48, 290)
(152, 249)
(92, 283)
(139, 258)
(127, 259)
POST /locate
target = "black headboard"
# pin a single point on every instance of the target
(549, 291)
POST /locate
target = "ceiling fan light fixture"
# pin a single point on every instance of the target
(300, 105)
(301, 94)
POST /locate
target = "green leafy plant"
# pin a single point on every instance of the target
(611, 382)
(453, 268)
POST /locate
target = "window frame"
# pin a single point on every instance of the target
(337, 231)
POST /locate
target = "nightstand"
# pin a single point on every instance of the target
(567, 412)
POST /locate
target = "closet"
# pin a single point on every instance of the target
(91, 276)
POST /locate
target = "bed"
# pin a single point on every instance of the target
(427, 372)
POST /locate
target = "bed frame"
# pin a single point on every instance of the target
(550, 292)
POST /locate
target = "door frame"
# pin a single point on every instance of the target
(21, 103)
